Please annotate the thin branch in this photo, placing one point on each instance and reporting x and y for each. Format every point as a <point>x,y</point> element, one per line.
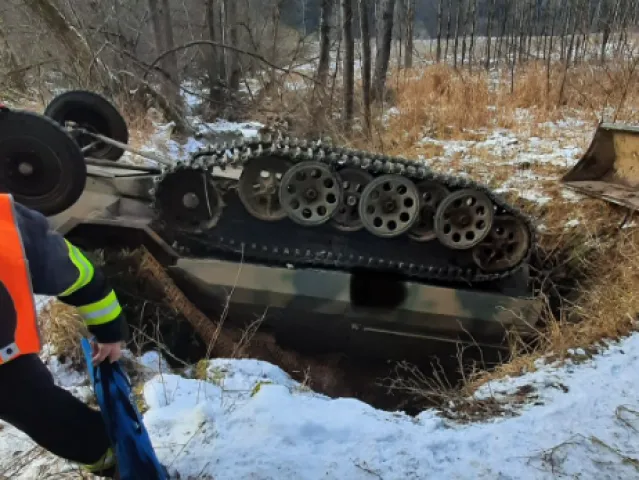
<point>257,56</point>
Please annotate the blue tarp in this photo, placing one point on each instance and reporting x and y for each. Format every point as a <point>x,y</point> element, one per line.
<point>133,450</point>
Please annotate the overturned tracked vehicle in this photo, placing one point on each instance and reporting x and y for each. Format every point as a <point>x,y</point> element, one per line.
<point>343,249</point>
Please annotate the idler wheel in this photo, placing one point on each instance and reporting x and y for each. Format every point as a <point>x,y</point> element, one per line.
<point>431,194</point>
<point>505,246</point>
<point>310,193</point>
<point>259,187</point>
<point>354,180</point>
<point>389,206</point>
<point>463,219</point>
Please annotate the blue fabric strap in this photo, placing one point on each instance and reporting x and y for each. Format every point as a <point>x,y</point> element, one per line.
<point>133,449</point>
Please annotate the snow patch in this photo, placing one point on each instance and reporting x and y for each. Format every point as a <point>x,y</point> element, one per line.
<point>279,432</point>
<point>251,420</point>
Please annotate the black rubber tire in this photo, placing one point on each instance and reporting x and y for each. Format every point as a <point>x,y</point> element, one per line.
<point>37,135</point>
<point>95,113</point>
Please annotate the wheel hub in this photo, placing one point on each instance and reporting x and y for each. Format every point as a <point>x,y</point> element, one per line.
<point>29,171</point>
<point>461,220</point>
<point>25,168</point>
<point>311,194</point>
<point>389,205</point>
<point>190,200</point>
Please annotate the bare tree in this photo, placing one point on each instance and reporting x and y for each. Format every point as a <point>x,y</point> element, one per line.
<point>349,61</point>
<point>449,10</point>
<point>460,6</point>
<point>489,32</point>
<point>230,9</point>
<point>213,62</point>
<point>465,27</point>
<point>473,16</point>
<point>325,42</point>
<point>410,27</point>
<point>364,12</point>
<point>161,19</point>
<point>382,57</point>
<point>172,64</point>
<point>438,55</point>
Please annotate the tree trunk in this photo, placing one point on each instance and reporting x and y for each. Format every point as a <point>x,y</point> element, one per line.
<point>233,63</point>
<point>471,50</point>
<point>464,30</point>
<point>448,20</point>
<point>212,65</point>
<point>439,31</point>
<point>171,63</point>
<point>457,25</point>
<point>489,32</point>
<point>502,35</point>
<point>366,62</point>
<point>221,36</point>
<point>568,56</point>
<point>349,62</point>
<point>550,45</point>
<point>325,42</point>
<point>544,32</point>
<point>410,26</point>
<point>382,56</point>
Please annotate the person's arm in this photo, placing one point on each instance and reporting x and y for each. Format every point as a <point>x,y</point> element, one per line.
<point>60,269</point>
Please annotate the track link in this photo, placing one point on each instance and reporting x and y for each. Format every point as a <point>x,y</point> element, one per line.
<point>240,154</point>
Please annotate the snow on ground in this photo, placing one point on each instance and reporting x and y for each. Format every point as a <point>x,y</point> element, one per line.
<point>250,420</point>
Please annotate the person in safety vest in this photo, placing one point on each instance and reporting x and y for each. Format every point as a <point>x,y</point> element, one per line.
<point>36,259</point>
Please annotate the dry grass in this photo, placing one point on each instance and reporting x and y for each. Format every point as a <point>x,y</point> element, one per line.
<point>62,327</point>
<point>604,308</point>
<point>445,103</point>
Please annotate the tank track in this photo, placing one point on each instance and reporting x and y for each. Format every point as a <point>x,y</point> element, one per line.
<point>240,154</point>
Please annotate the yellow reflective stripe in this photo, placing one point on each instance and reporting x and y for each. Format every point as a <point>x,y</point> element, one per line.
<point>102,311</point>
<point>85,270</point>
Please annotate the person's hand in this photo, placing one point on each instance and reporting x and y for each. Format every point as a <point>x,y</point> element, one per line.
<point>102,351</point>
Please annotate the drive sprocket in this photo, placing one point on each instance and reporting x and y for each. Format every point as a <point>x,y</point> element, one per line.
<point>505,245</point>
<point>188,199</point>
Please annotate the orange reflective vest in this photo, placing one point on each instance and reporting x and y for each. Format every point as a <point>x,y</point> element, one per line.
<point>19,332</point>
